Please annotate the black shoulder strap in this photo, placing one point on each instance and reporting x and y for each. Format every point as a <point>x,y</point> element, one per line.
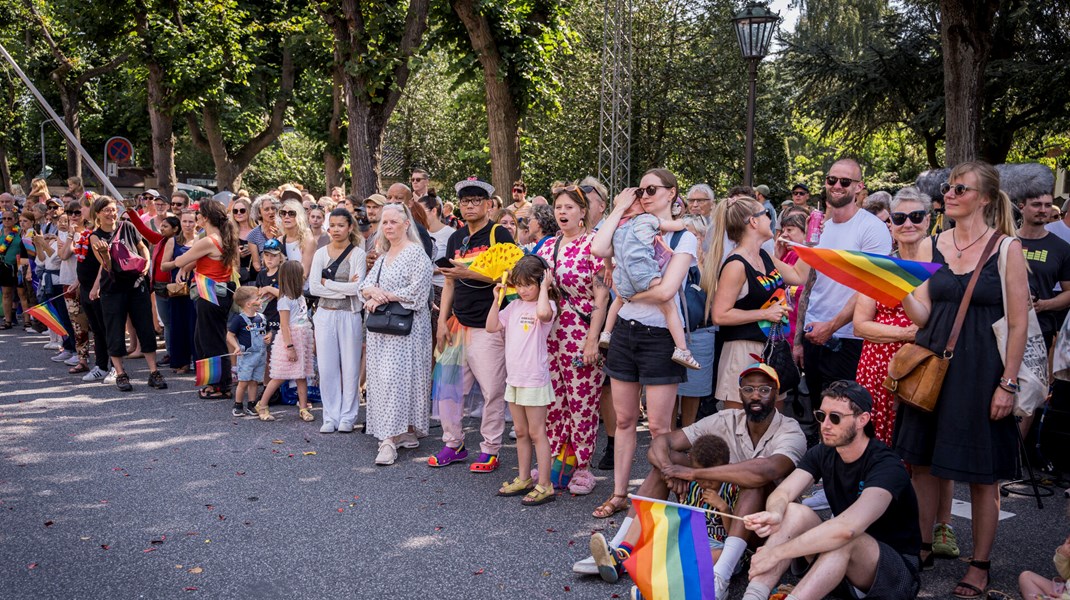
<point>675,238</point>
<point>333,267</point>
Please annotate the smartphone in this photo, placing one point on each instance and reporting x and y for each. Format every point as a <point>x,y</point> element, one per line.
<point>444,263</point>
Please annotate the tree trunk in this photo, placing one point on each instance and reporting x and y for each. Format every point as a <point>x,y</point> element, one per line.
<point>333,161</point>
<point>930,151</point>
<point>503,117</point>
<point>366,130</point>
<point>5,171</point>
<point>70,98</point>
<point>163,135</point>
<point>966,36</point>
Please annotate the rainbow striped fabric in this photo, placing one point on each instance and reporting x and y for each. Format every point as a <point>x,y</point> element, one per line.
<point>671,560</point>
<point>205,288</point>
<point>46,314</point>
<point>208,370</point>
<point>885,279</point>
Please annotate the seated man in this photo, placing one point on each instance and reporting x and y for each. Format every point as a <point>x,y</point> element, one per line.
<point>870,548</point>
<point>764,447</point>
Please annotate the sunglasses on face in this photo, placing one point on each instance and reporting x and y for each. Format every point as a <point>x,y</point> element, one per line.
<point>417,179</point>
<point>759,215</point>
<point>958,189</point>
<point>649,190</point>
<point>518,190</point>
<point>763,390</point>
<point>73,211</point>
<point>915,216</point>
<point>178,204</point>
<point>843,181</point>
<point>835,417</point>
<point>798,193</point>
<point>288,213</point>
<point>239,211</point>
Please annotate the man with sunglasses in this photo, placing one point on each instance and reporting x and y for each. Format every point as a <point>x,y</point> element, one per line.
<point>1049,265</point>
<point>870,548</point>
<point>763,447</point>
<point>468,296</point>
<point>800,195</point>
<point>520,204</point>
<point>825,343</point>
<point>420,180</point>
<point>179,201</point>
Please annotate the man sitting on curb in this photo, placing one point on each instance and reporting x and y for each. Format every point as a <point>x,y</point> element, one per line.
<point>764,447</point>
<point>870,548</point>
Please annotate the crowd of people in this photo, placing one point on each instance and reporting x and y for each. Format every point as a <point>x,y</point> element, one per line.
<point>660,303</point>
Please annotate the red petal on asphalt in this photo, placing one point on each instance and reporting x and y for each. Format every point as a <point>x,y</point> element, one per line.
<point>479,572</point>
<point>341,510</point>
<point>240,473</point>
<point>189,589</point>
<point>615,596</point>
<point>209,506</point>
<point>568,589</point>
<point>551,530</point>
<point>222,518</point>
<point>32,566</point>
<point>439,528</point>
<point>49,523</point>
<point>149,550</point>
<point>571,543</point>
<point>105,546</point>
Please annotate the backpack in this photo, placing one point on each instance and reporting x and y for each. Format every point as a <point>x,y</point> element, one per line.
<point>693,301</point>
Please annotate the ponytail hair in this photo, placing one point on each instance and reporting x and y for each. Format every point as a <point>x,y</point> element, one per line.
<point>730,219</point>
<point>998,213</point>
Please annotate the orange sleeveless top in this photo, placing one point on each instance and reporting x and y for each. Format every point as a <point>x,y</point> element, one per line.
<point>214,268</point>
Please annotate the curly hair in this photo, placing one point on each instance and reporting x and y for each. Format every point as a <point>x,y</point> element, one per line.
<point>709,451</point>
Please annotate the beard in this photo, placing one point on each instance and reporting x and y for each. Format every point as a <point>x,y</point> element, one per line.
<point>844,440</point>
<point>839,202</point>
<point>760,415</point>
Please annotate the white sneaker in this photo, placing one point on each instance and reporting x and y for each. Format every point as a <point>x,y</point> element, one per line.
<point>408,440</point>
<point>387,454</point>
<point>512,433</point>
<point>73,360</point>
<point>817,501</point>
<point>52,346</point>
<point>94,374</point>
<point>62,356</point>
<point>110,377</point>
<point>586,566</point>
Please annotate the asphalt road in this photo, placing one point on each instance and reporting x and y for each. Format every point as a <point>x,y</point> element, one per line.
<point>163,495</point>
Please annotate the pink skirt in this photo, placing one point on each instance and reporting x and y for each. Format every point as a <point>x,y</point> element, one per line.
<point>304,344</point>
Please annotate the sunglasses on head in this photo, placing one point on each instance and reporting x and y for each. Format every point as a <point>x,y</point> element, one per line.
<point>835,417</point>
<point>238,211</point>
<point>288,213</point>
<point>649,190</point>
<point>843,181</point>
<point>958,188</point>
<point>915,216</point>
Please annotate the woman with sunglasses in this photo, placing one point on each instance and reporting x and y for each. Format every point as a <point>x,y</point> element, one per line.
<point>640,353</point>
<point>10,251</point>
<point>295,236</point>
<point>971,435</point>
<point>241,213</point>
<point>68,276</point>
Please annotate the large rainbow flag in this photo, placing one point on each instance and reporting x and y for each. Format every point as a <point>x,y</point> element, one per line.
<point>671,560</point>
<point>209,370</point>
<point>885,279</point>
<point>46,314</point>
<point>205,289</point>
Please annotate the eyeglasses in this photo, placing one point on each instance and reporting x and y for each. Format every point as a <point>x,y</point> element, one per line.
<point>288,213</point>
<point>649,190</point>
<point>843,181</point>
<point>835,417</point>
<point>239,211</point>
<point>472,201</point>
<point>763,390</point>
<point>693,200</point>
<point>958,188</point>
<point>915,216</point>
<point>798,193</point>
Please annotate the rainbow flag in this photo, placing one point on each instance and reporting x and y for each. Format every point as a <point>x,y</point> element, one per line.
<point>46,314</point>
<point>208,370</point>
<point>671,560</point>
<point>205,289</point>
<point>885,279</point>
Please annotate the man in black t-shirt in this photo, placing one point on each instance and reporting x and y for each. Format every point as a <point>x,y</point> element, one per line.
<point>468,296</point>
<point>870,547</point>
<point>1049,265</point>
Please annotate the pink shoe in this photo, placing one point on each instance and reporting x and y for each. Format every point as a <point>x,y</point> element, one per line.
<point>582,483</point>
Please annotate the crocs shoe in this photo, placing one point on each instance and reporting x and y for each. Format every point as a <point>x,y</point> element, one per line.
<point>945,545</point>
<point>448,456</point>
<point>486,463</point>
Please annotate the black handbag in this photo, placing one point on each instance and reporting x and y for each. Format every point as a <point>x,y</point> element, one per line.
<point>390,318</point>
<point>777,354</point>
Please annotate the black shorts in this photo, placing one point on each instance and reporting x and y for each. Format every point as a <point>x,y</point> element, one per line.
<point>9,277</point>
<point>640,353</point>
<point>896,578</point>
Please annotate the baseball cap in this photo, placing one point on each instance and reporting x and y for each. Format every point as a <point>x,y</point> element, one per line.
<point>762,189</point>
<point>289,192</point>
<point>153,193</point>
<point>376,198</point>
<point>852,391</point>
<point>273,246</point>
<point>473,187</point>
<point>760,367</point>
<point>800,186</point>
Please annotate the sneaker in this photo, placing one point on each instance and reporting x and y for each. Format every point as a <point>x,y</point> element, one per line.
<point>605,556</point>
<point>94,374</point>
<point>328,427</point>
<point>110,377</point>
<point>387,454</point>
<point>62,356</point>
<point>817,501</point>
<point>52,346</point>
<point>123,382</point>
<point>512,433</point>
<point>73,360</point>
<point>447,456</point>
<point>247,411</point>
<point>603,339</point>
<point>486,463</point>
<point>236,411</point>
<point>586,566</point>
<point>156,381</point>
<point>945,545</point>
<point>345,427</point>
<point>165,361</point>
<point>408,440</point>
<point>683,357</point>
<point>635,594</point>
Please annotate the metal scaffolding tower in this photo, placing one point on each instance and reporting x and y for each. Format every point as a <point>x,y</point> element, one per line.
<point>615,97</point>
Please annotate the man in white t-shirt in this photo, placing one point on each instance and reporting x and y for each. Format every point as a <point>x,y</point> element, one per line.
<point>825,343</point>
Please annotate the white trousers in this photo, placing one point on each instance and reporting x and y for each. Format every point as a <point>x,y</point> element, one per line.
<point>339,337</point>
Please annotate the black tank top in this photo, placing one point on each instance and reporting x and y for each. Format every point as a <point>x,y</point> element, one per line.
<point>760,288</point>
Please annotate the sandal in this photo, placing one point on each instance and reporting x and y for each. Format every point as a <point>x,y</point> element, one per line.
<point>516,487</point>
<point>264,413</point>
<point>611,507</point>
<point>305,415</point>
<point>212,393</point>
<point>78,368</point>
<point>983,565</point>
<point>539,495</point>
<point>6,325</point>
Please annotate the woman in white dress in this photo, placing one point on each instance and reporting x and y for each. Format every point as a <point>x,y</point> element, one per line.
<point>398,366</point>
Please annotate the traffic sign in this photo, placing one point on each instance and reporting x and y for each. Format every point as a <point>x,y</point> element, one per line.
<point>119,150</point>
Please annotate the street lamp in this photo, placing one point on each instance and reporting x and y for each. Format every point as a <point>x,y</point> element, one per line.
<point>755,25</point>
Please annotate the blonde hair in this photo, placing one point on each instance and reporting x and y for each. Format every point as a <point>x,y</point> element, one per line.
<point>382,244</point>
<point>301,220</point>
<point>998,213</point>
<point>730,217</point>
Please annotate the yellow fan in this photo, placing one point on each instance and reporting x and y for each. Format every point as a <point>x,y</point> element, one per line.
<point>496,260</point>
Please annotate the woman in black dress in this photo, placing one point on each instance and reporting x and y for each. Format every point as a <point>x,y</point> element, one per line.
<point>970,436</point>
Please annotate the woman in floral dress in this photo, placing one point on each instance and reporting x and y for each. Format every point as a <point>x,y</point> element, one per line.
<point>575,367</point>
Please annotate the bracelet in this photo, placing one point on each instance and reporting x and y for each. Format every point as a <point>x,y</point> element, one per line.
<point>1010,385</point>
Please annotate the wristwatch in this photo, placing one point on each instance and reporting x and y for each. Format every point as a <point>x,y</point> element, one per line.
<point>1010,385</point>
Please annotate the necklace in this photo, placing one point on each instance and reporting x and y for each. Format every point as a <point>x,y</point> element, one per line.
<point>8,239</point>
<point>961,250</point>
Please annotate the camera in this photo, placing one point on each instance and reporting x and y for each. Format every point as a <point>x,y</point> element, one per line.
<point>363,224</point>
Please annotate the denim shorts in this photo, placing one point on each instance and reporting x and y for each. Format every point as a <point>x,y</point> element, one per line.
<point>251,365</point>
<point>640,353</point>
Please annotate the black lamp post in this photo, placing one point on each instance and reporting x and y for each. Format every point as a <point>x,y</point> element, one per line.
<point>755,25</point>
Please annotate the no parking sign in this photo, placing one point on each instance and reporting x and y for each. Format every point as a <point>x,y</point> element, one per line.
<point>119,150</point>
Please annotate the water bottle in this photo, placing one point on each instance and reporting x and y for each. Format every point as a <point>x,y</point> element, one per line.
<point>813,227</point>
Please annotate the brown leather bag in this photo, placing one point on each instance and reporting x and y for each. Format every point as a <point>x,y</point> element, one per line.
<point>916,374</point>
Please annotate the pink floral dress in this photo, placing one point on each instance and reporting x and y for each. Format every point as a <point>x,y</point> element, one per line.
<point>573,417</point>
<point>873,368</point>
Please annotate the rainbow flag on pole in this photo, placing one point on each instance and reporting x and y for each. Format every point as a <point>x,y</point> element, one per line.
<point>671,560</point>
<point>46,314</point>
<point>205,288</point>
<point>883,278</point>
<point>208,370</point>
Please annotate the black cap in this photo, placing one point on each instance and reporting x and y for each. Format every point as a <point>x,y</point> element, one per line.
<point>852,391</point>
<point>800,186</point>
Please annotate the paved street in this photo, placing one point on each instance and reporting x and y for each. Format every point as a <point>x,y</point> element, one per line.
<point>163,495</point>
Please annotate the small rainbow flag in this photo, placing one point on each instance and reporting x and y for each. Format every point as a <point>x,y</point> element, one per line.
<point>46,314</point>
<point>209,370</point>
<point>671,560</point>
<point>205,289</point>
<point>885,279</point>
